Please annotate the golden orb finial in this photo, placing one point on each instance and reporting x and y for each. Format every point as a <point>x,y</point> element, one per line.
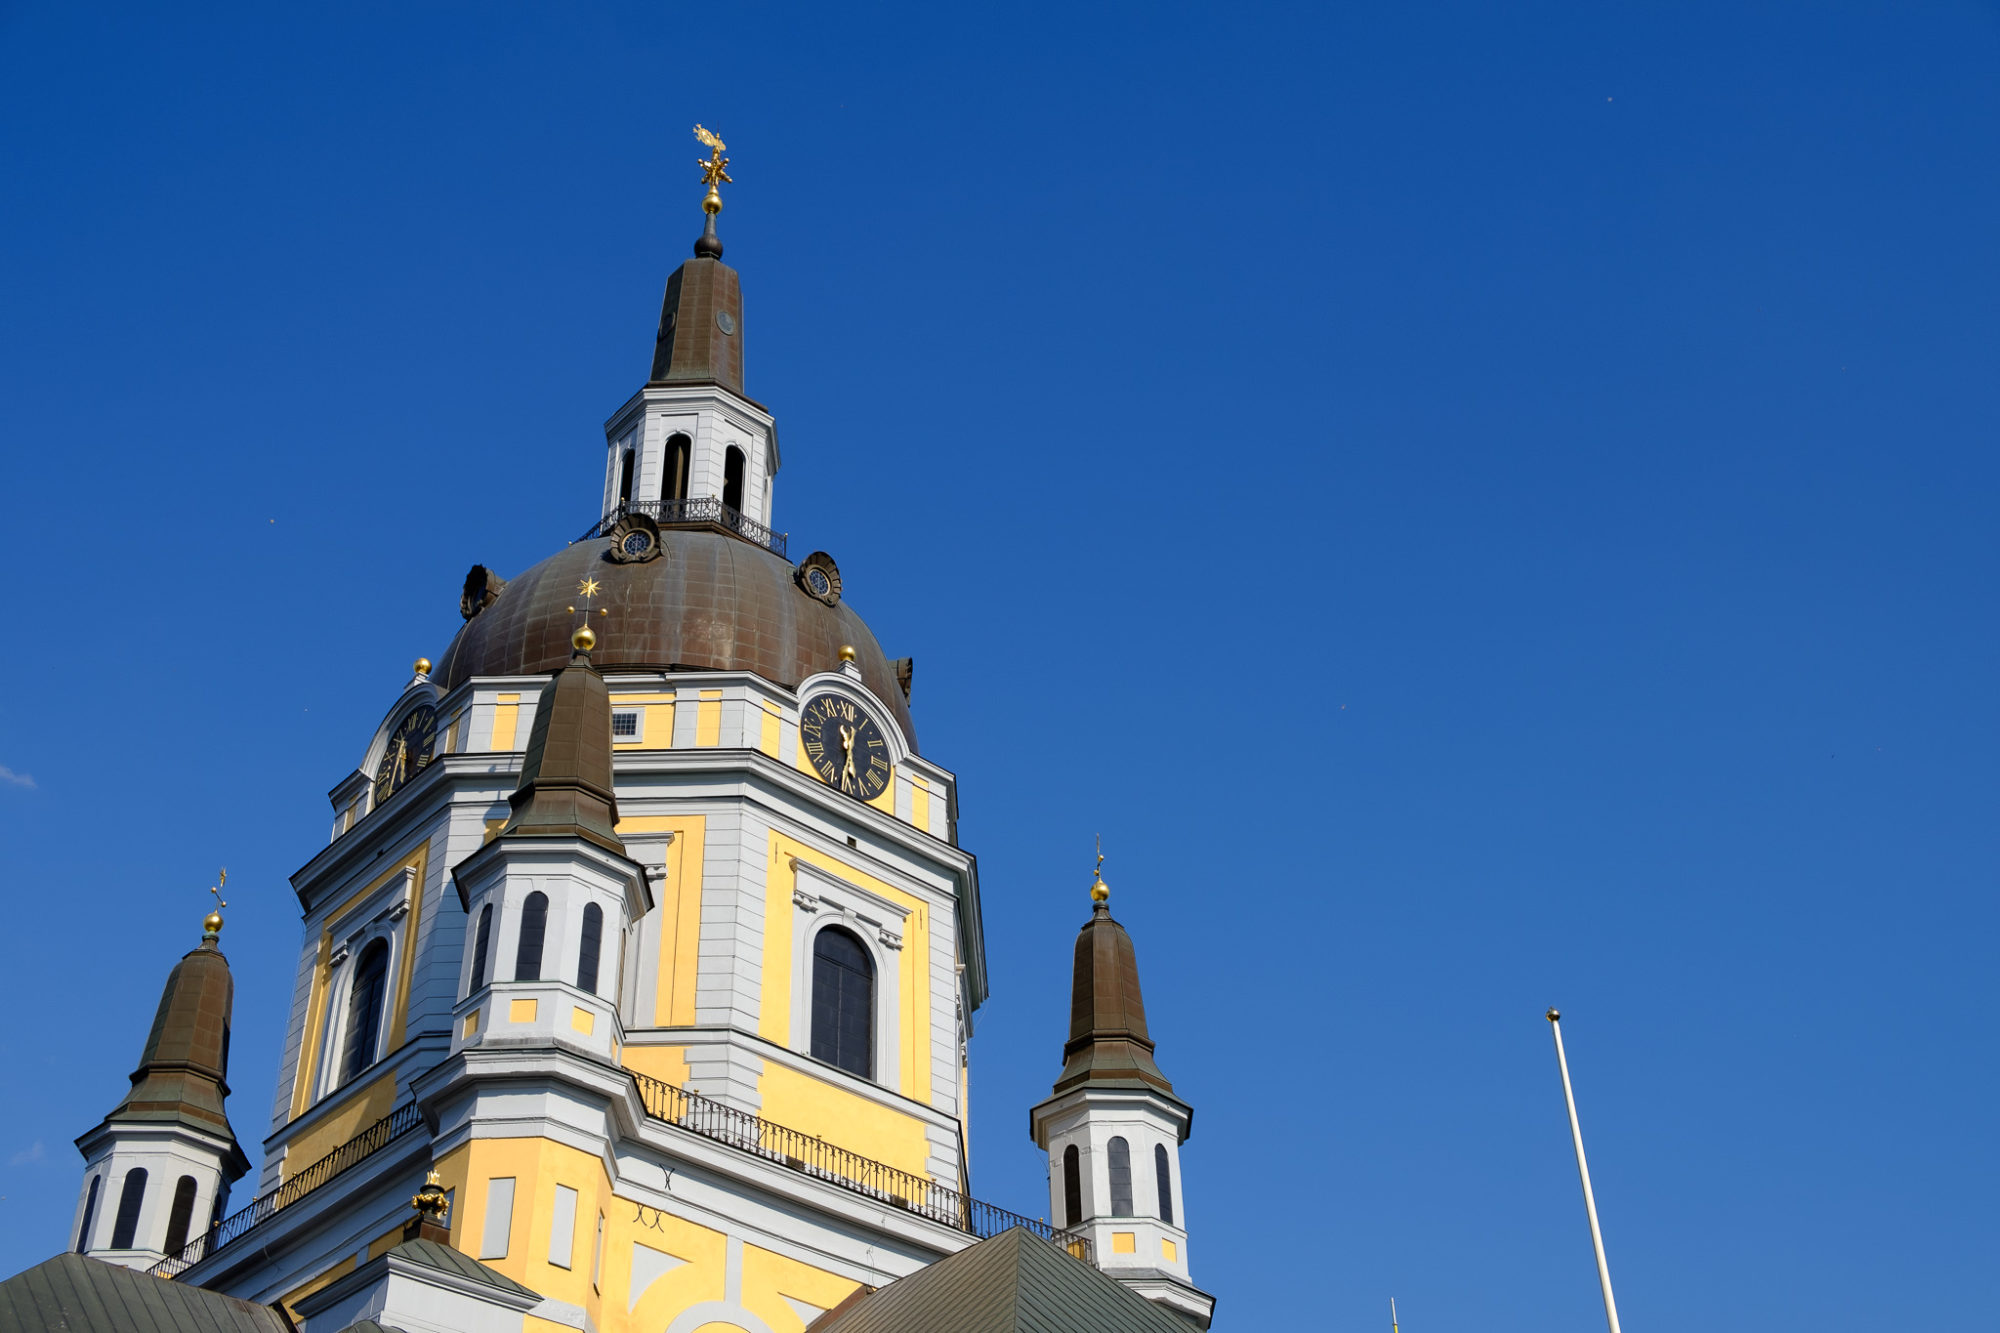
<point>1100,892</point>
<point>422,666</point>
<point>584,639</point>
<point>1553,1014</point>
<point>847,652</point>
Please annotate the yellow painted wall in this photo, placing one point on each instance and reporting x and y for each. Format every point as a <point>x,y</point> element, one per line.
<point>305,1076</point>
<point>920,804</point>
<point>767,1277</point>
<point>332,1275</point>
<point>815,1106</point>
<point>772,725</point>
<point>537,1166</point>
<point>506,720</point>
<point>361,1107</point>
<point>656,720</point>
<point>913,961</point>
<point>708,718</point>
<point>679,904</point>
<point>665,1063</point>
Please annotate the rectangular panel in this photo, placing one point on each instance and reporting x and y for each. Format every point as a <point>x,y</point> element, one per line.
<point>499,1217</point>
<point>562,1227</point>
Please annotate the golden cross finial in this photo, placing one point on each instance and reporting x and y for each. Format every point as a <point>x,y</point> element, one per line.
<point>1100,892</point>
<point>212,923</point>
<point>715,170</point>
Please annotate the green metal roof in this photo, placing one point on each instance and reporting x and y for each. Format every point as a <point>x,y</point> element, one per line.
<point>72,1294</point>
<point>1014,1283</point>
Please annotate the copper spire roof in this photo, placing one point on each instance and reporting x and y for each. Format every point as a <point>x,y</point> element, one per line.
<point>566,786</point>
<point>183,1072</point>
<point>1108,1042</point>
<point>701,324</point>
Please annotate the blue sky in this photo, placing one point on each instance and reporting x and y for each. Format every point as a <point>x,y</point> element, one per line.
<point>1482,507</point>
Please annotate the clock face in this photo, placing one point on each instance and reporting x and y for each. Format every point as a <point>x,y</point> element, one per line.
<point>409,750</point>
<point>844,746</point>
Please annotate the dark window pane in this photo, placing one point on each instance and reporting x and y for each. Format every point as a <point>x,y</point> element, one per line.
<point>182,1214</point>
<point>625,476</point>
<point>364,1009</point>
<point>89,1214</point>
<point>732,478</point>
<point>534,922</point>
<point>479,943</point>
<point>675,485</point>
<point>1072,1187</point>
<point>1163,1173</point>
<point>843,1003</point>
<point>126,1227</point>
<point>593,945</point>
<point>1121,1179</point>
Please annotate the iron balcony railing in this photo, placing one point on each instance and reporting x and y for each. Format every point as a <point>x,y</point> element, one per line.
<point>821,1160</point>
<point>301,1183</point>
<point>707,509</point>
<point>699,1115</point>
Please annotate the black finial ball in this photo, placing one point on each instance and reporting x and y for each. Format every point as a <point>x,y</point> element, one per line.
<point>709,246</point>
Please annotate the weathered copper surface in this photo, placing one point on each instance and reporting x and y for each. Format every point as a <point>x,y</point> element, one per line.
<point>182,1075</point>
<point>712,602</point>
<point>1107,1016</point>
<point>565,786</point>
<point>703,296</point>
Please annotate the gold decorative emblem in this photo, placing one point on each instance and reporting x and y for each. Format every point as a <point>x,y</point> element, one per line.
<point>212,923</point>
<point>714,171</point>
<point>585,638</point>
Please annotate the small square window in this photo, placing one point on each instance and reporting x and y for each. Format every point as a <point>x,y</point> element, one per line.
<point>625,724</point>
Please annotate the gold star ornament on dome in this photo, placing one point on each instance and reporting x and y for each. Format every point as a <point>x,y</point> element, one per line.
<point>585,638</point>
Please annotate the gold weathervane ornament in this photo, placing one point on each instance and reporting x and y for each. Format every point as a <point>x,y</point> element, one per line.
<point>212,923</point>
<point>714,171</point>
<point>1100,892</point>
<point>585,638</point>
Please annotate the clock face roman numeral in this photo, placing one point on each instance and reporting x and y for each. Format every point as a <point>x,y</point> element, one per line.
<point>845,746</point>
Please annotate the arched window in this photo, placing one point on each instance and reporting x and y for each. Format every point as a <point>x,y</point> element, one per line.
<point>1072,1169</point>
<point>1121,1178</point>
<point>625,477</point>
<point>89,1214</point>
<point>181,1216</point>
<point>364,1009</point>
<point>680,451</point>
<point>534,922</point>
<point>126,1228</point>
<point>480,939</point>
<point>1164,1173</point>
<point>593,945</point>
<point>732,478</point>
<point>843,1017</point>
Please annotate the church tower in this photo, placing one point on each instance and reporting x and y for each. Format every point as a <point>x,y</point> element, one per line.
<point>1113,1128</point>
<point>643,922</point>
<point>158,1169</point>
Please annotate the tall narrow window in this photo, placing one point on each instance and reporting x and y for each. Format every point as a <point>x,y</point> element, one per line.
<point>843,1003</point>
<point>480,939</point>
<point>593,945</point>
<point>680,452</point>
<point>181,1216</point>
<point>126,1228</point>
<point>528,953</point>
<point>625,469</point>
<point>1164,1173</point>
<point>1121,1178</point>
<point>1072,1169</point>
<point>732,478</point>
<point>89,1214</point>
<point>364,1009</point>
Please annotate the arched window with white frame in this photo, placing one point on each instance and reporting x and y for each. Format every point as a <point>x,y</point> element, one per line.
<point>843,1002</point>
<point>365,1002</point>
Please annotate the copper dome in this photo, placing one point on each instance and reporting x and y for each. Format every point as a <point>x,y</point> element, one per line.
<point>710,601</point>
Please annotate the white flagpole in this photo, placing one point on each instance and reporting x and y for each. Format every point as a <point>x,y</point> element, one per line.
<point>1392,1316</point>
<point>1583,1170</point>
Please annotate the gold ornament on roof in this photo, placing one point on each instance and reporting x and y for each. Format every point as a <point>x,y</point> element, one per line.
<point>1100,892</point>
<point>431,1201</point>
<point>714,171</point>
<point>585,638</point>
<point>212,923</point>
